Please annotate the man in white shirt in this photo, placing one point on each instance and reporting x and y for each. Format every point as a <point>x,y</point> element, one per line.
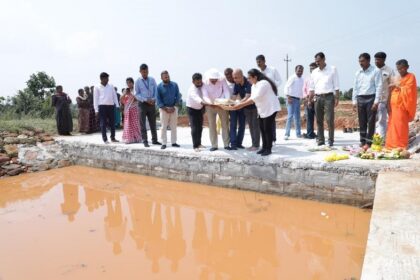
<point>104,101</point>
<point>274,76</point>
<point>215,87</point>
<point>324,89</point>
<point>387,75</point>
<point>196,110</point>
<point>294,93</point>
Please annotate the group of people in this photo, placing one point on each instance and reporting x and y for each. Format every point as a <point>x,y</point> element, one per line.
<point>377,93</point>
<point>88,122</point>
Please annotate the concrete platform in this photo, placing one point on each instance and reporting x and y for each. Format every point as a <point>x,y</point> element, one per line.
<point>291,170</point>
<point>393,247</point>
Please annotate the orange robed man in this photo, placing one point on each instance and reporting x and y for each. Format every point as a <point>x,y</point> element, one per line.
<point>403,103</point>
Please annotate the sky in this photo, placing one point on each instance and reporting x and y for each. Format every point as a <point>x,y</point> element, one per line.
<point>74,41</point>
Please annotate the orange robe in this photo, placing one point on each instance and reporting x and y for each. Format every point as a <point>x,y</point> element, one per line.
<point>403,109</point>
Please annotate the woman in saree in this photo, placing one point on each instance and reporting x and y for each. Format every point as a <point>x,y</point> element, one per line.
<point>131,132</point>
<point>84,111</point>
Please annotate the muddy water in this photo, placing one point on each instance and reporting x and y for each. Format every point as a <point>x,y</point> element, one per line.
<point>83,223</point>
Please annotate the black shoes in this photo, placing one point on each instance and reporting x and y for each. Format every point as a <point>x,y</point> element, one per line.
<point>213,149</point>
<point>228,148</point>
<point>114,140</point>
<point>266,153</point>
<point>163,147</point>
<point>320,143</point>
<point>261,151</point>
<point>176,145</point>
<point>241,147</point>
<point>306,136</point>
<point>156,143</point>
<point>146,145</point>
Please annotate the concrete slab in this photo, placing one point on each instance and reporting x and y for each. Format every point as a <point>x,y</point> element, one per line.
<point>294,149</point>
<point>393,247</point>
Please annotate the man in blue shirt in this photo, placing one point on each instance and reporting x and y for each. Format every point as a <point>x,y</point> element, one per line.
<point>367,92</point>
<point>167,98</point>
<point>242,91</point>
<point>146,91</point>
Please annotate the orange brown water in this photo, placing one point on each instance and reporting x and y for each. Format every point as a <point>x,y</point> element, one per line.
<point>85,223</point>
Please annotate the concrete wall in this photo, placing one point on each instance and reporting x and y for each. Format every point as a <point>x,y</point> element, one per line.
<point>349,185</point>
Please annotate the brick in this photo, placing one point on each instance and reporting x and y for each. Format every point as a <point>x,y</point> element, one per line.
<point>221,180</point>
<point>267,172</point>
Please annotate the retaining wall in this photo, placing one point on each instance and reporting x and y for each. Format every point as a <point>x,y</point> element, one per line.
<point>351,185</point>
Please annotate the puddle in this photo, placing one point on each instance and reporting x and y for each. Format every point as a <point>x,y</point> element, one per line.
<point>85,223</point>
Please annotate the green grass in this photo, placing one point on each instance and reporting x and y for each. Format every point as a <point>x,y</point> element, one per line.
<point>48,125</point>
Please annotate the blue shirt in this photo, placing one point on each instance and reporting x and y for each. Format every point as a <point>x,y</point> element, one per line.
<point>368,82</point>
<point>145,89</point>
<point>167,95</point>
<point>243,90</point>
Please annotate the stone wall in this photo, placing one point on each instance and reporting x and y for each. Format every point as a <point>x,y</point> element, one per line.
<point>11,145</point>
<point>352,185</point>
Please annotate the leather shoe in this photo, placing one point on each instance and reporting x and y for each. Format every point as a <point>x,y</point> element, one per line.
<point>261,151</point>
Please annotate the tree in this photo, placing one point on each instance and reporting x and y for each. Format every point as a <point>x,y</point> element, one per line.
<point>346,95</point>
<point>24,102</point>
<point>34,100</point>
<point>40,85</point>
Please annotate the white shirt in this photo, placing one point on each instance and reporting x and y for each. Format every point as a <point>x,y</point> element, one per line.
<point>104,95</point>
<point>325,80</point>
<point>265,99</point>
<point>213,91</point>
<point>294,86</point>
<point>387,75</point>
<point>195,97</point>
<point>273,75</point>
<point>230,86</point>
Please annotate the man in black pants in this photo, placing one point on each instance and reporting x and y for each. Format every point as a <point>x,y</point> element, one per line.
<point>367,92</point>
<point>146,92</point>
<point>196,109</point>
<point>105,100</point>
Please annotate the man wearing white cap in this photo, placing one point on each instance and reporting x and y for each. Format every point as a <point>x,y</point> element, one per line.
<point>216,87</point>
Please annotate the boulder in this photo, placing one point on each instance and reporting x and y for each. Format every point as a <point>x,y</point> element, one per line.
<point>30,155</point>
<point>28,141</point>
<point>63,163</point>
<point>41,167</point>
<point>38,130</point>
<point>11,140</point>
<point>11,134</point>
<point>15,172</point>
<point>46,138</point>
<point>10,167</point>
<point>28,133</point>
<point>4,159</point>
<point>11,150</point>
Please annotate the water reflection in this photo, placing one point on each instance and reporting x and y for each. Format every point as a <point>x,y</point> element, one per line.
<point>71,204</point>
<point>190,229</point>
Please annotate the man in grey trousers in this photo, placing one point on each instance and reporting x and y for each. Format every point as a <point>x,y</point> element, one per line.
<point>242,91</point>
